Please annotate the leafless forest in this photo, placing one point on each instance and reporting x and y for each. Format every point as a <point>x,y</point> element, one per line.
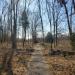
<point>37,37</point>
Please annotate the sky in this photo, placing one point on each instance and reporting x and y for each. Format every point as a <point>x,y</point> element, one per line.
<point>33,8</point>
<point>1,4</point>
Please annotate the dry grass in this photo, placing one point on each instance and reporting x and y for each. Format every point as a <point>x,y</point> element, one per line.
<point>61,66</point>
<point>62,45</point>
<point>7,45</point>
<point>19,64</point>
<point>19,61</point>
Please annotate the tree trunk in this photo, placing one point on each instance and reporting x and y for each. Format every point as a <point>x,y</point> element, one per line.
<point>73,4</point>
<point>24,38</point>
<point>53,14</point>
<point>56,34</point>
<point>14,31</point>
<point>69,26</point>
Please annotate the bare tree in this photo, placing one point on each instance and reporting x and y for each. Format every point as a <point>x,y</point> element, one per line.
<point>35,26</point>
<point>53,12</point>
<point>69,20</point>
<point>39,6</point>
<point>48,8</point>
<point>63,2</point>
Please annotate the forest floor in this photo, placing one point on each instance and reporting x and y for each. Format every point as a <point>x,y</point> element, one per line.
<point>38,62</point>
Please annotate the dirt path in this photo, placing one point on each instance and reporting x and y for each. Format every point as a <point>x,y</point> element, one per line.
<point>38,65</point>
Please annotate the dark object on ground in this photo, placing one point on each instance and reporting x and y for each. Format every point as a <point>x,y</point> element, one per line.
<point>63,53</point>
<point>30,50</point>
<point>55,52</point>
<point>68,53</point>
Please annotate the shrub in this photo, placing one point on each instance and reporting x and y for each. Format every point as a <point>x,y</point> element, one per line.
<point>49,38</point>
<point>73,41</point>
